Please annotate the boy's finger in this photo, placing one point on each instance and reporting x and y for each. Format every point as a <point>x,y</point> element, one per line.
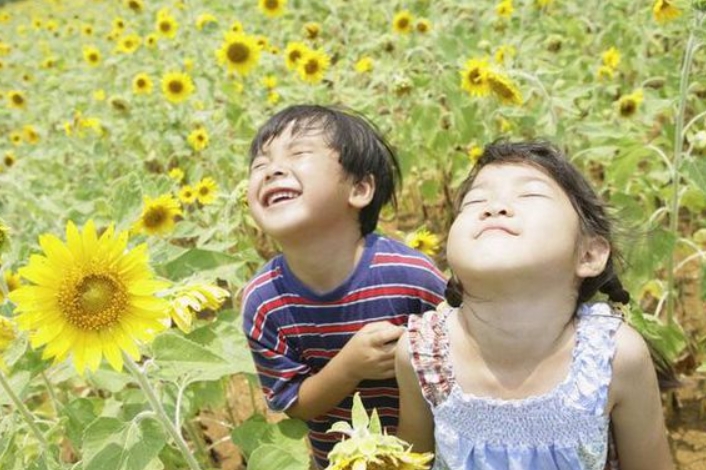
<point>388,334</point>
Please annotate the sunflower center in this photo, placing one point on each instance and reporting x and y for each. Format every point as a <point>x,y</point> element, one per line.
<point>155,217</point>
<point>271,4</point>
<point>9,161</point>
<point>311,67</point>
<point>18,100</point>
<point>95,302</point>
<point>176,87</point>
<point>474,76</point>
<point>204,191</point>
<point>238,52</point>
<point>402,23</point>
<point>141,83</point>
<point>627,108</point>
<point>93,57</point>
<point>294,56</point>
<point>165,26</point>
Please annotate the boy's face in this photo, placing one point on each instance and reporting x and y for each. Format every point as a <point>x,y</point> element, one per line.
<point>298,187</point>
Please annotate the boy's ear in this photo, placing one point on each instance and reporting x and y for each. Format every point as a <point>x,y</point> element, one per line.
<point>362,192</point>
<point>593,257</point>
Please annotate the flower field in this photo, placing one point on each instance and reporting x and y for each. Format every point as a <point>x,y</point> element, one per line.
<point>125,237</point>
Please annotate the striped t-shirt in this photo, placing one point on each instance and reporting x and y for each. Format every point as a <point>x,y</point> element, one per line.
<point>294,332</point>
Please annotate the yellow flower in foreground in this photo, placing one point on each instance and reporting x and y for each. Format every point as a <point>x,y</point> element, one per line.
<point>367,446</point>
<point>16,99</point>
<point>272,8</point>
<point>313,65</point>
<point>189,300</point>
<point>177,86</point>
<point>423,240</point>
<point>177,174</point>
<point>611,58</point>
<point>205,19</point>
<point>627,105</point>
<point>158,215</point>
<point>664,10</point>
<point>206,190</point>
<point>128,44</point>
<point>364,65</point>
<point>142,84</point>
<point>402,22</point>
<point>239,52</point>
<point>89,298</point>
<point>505,8</point>
<point>187,195</point>
<point>293,54</point>
<point>198,139</point>
<point>474,77</point>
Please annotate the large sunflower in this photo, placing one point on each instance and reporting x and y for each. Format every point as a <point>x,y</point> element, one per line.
<point>272,8</point>
<point>177,86</point>
<point>90,298</point>
<point>423,240</point>
<point>158,215</point>
<point>313,65</point>
<point>239,52</point>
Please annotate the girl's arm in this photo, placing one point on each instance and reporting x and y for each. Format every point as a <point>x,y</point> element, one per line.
<point>638,421</point>
<point>416,421</point>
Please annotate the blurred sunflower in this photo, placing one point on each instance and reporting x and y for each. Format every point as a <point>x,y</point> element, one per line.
<point>177,174</point>
<point>158,215</point>
<point>87,30</point>
<point>611,58</point>
<point>628,104</point>
<point>187,195</point>
<point>423,25</point>
<point>313,65</point>
<point>48,63</point>
<point>541,4</point>
<point>402,22</point>
<point>474,153</point>
<point>239,52</point>
<point>293,54</point>
<point>118,24</point>
<point>92,55</point>
<point>505,9</point>
<point>16,138</point>
<point>269,81</point>
<point>236,27</point>
<point>272,8</point>
<point>205,19</point>
<point>198,139</point>
<point>8,160</point>
<point>474,77</point>
<point>185,302</point>
<point>364,65</point>
<point>89,298</point>
<point>128,44</point>
<point>605,73</point>
<point>166,26</point>
<point>423,240</point>
<point>177,86</point>
<point>273,97</point>
<point>142,84</point>
<point>4,237</point>
<point>8,333</point>
<point>312,30</point>
<point>137,6</point>
<point>151,40</point>
<point>665,10</point>
<point>503,88</point>
<point>206,191</point>
<point>504,53</point>
<point>16,99</point>
<point>12,282</point>
<point>30,135</point>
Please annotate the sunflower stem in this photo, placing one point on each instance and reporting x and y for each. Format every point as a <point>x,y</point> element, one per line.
<point>678,154</point>
<point>26,414</point>
<point>161,415</point>
<point>52,394</point>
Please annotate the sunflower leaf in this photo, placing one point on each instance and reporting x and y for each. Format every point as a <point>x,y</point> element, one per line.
<point>359,415</point>
<point>110,444</point>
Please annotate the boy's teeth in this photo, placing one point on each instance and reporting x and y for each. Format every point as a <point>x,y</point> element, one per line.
<point>280,196</point>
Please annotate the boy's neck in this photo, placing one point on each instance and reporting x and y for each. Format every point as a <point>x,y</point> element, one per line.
<point>325,262</point>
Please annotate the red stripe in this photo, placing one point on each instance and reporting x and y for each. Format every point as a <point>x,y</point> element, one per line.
<point>389,258</point>
<point>258,281</point>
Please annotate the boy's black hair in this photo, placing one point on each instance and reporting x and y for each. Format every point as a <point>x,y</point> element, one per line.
<point>361,148</point>
<point>593,216</point>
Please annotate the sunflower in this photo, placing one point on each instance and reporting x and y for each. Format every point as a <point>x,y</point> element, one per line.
<point>664,10</point>
<point>87,30</point>
<point>177,174</point>
<point>187,195</point>
<point>474,153</point>
<point>423,26</point>
<point>504,52</point>
<point>158,215</point>
<point>48,63</point>
<point>12,282</point>
<point>8,160</point>
<point>89,298</point>
<point>16,99</point>
<point>402,22</point>
<point>273,97</point>
<point>605,73</point>
<point>137,6</point>
<point>368,447</point>
<point>627,105</point>
<point>166,26</point>
<point>99,95</point>
<point>269,82</point>
<point>128,44</point>
<point>503,88</point>
<point>4,237</point>
<point>272,8</point>
<point>151,40</point>
<point>118,24</point>
<point>504,9</point>
<point>541,4</point>
<point>177,86</point>
<point>30,134</point>
<point>312,30</point>
<point>8,333</point>
<point>611,58</point>
<point>92,55</point>
<point>236,27</point>
<point>206,191</point>
<point>293,54</point>
<point>423,240</point>
<point>364,65</point>
<point>474,77</point>
<point>198,139</point>
<point>239,52</point>
<point>204,20</point>
<point>313,65</point>
<point>16,138</point>
<point>142,84</point>
<point>189,300</point>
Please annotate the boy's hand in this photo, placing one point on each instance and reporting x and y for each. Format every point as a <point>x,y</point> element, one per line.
<point>370,353</point>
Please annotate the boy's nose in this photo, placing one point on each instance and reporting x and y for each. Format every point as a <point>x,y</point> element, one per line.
<point>275,171</point>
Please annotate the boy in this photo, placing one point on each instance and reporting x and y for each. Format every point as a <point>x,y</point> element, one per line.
<point>322,318</point>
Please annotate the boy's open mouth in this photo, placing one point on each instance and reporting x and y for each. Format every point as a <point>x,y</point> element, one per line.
<point>279,195</point>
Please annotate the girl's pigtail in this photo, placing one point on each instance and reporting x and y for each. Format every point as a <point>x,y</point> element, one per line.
<point>454,292</point>
<point>615,291</point>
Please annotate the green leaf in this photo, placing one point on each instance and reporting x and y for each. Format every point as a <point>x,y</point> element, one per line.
<point>695,171</point>
<point>195,260</point>
<point>250,434</point>
<point>110,444</point>
<point>79,413</point>
<point>19,382</point>
<point>290,435</point>
<point>270,457</point>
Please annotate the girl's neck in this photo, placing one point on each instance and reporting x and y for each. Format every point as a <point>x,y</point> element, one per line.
<point>324,263</point>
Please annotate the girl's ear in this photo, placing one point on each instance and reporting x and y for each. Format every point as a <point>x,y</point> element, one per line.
<point>593,256</point>
<point>362,192</point>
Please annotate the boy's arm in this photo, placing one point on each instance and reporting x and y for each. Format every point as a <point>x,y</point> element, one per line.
<point>416,421</point>
<point>640,434</point>
<point>369,354</point>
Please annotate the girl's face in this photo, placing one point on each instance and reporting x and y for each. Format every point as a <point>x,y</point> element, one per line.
<point>514,221</point>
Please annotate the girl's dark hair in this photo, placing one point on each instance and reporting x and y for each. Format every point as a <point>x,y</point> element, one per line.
<point>361,148</point>
<point>593,217</point>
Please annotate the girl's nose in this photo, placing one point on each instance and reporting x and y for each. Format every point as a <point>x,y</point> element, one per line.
<point>496,208</point>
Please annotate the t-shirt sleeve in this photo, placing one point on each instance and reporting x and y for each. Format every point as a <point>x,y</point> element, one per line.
<point>279,367</point>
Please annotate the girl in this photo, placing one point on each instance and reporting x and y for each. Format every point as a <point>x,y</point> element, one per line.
<point>517,372</point>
